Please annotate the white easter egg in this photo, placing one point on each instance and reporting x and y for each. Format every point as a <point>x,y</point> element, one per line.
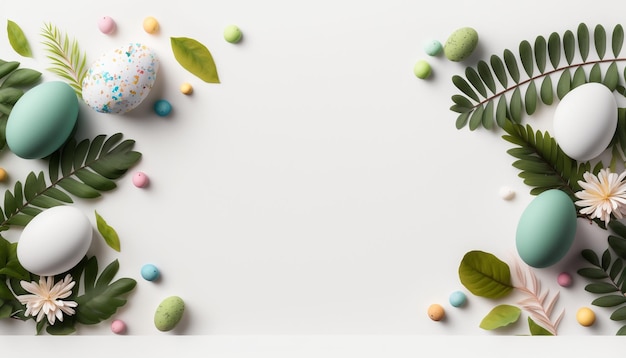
<point>54,241</point>
<point>585,121</point>
<point>120,79</point>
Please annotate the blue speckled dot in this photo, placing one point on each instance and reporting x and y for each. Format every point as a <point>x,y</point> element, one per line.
<point>150,272</point>
<point>457,298</point>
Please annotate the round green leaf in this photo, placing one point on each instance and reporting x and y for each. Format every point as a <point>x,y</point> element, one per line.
<point>516,106</point>
<point>485,75</point>
<point>526,56</point>
<point>530,99</point>
<point>599,40</point>
<point>498,68</point>
<point>554,49</point>
<point>617,40</point>
<point>611,79</point>
<point>476,118</point>
<point>569,46</point>
<point>609,301</point>
<point>580,77</point>
<point>485,275</point>
<point>501,111</point>
<point>461,120</point>
<point>488,116</point>
<point>547,93</point>
<point>18,40</point>
<point>500,316</point>
<point>195,58</point>
<point>564,85</point>
<point>464,87</point>
<point>511,65</point>
<point>475,80</point>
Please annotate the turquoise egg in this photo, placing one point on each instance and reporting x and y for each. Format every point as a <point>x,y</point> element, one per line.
<point>546,229</point>
<point>42,120</point>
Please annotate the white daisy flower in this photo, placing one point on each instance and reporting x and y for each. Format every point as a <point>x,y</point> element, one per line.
<point>46,298</point>
<point>602,195</point>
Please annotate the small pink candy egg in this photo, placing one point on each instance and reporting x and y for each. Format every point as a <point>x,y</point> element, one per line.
<point>118,326</point>
<point>564,279</point>
<point>140,180</point>
<point>106,25</point>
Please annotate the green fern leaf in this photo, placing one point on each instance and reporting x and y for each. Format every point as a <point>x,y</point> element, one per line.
<point>461,120</point>
<point>540,53</point>
<point>511,65</point>
<point>569,46</point>
<point>583,40</point>
<point>526,57</point>
<point>67,60</point>
<point>530,99</point>
<point>595,75</point>
<point>611,78</point>
<point>554,49</point>
<point>599,38</point>
<point>516,106</point>
<point>498,68</point>
<point>485,75</point>
<point>464,87</point>
<point>501,112</point>
<point>617,39</point>
<point>547,91</point>
<point>475,80</point>
<point>488,116</point>
<point>579,78</point>
<point>87,169</point>
<point>476,118</point>
<point>564,84</point>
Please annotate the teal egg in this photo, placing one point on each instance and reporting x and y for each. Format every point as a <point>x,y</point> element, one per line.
<point>546,229</point>
<point>42,120</point>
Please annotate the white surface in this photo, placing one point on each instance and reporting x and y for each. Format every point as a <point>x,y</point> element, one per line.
<point>321,188</point>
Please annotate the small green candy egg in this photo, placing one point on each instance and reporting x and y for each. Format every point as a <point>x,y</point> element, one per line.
<point>232,34</point>
<point>169,313</point>
<point>460,44</point>
<point>422,69</point>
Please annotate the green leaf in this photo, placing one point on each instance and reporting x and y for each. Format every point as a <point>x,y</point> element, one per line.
<point>619,314</point>
<point>8,67</point>
<point>18,40</point>
<point>617,40</point>
<point>101,298</point>
<point>511,65</point>
<point>580,77</point>
<point>564,85</point>
<point>583,40</point>
<point>601,287</point>
<point>526,57</point>
<point>476,118</point>
<point>501,112</point>
<point>516,106</point>
<point>21,77</point>
<point>461,120</point>
<point>537,330</point>
<point>530,99</point>
<point>475,80</point>
<point>569,46</point>
<point>485,275</point>
<point>599,38</point>
<point>500,316</point>
<point>618,244</point>
<point>621,331</point>
<point>68,61</point>
<point>547,92</point>
<point>488,116</point>
<point>609,301</point>
<point>195,58</point>
<point>498,68</point>
<point>595,75</point>
<point>108,233</point>
<point>592,273</point>
<point>554,49</point>
<point>540,53</point>
<point>611,79</point>
<point>485,75</point>
<point>464,87</point>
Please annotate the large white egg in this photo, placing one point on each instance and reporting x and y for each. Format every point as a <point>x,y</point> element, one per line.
<point>54,241</point>
<point>585,121</point>
<point>120,79</point>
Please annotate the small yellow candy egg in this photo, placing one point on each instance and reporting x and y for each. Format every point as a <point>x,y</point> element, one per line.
<point>186,88</point>
<point>3,174</point>
<point>150,25</point>
<point>585,316</point>
<point>436,312</point>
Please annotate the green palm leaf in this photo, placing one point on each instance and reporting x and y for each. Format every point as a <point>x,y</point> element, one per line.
<point>84,170</point>
<point>68,61</point>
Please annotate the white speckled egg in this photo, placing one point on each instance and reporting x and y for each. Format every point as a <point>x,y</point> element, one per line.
<point>120,79</point>
<point>54,241</point>
<point>585,121</point>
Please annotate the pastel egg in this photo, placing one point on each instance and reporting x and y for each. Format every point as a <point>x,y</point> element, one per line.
<point>436,312</point>
<point>460,44</point>
<point>150,272</point>
<point>457,298</point>
<point>140,180</point>
<point>169,313</point>
<point>42,120</point>
<point>433,47</point>
<point>546,229</point>
<point>150,25</point>
<point>422,69</point>
<point>232,34</point>
<point>106,25</point>
<point>118,326</point>
<point>564,279</point>
<point>54,241</point>
<point>120,79</point>
<point>162,107</point>
<point>585,121</point>
<point>585,316</point>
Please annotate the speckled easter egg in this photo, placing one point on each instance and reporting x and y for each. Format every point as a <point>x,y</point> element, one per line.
<point>460,44</point>
<point>546,229</point>
<point>169,313</point>
<point>42,120</point>
<point>120,79</point>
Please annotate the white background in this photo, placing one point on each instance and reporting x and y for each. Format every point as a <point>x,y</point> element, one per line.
<point>321,188</point>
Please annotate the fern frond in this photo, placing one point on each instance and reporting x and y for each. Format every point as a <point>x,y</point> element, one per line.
<point>67,60</point>
<point>84,170</point>
<point>537,84</point>
<point>538,304</point>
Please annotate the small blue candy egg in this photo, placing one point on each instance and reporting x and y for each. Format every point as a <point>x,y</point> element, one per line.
<point>149,272</point>
<point>433,47</point>
<point>457,298</point>
<point>162,107</point>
